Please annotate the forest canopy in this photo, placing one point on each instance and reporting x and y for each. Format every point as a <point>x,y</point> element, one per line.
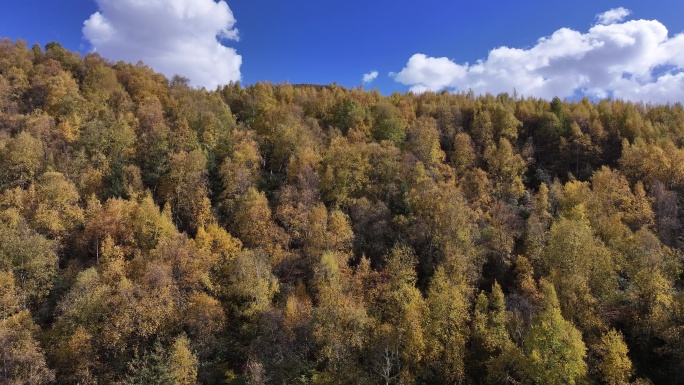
<point>151,232</point>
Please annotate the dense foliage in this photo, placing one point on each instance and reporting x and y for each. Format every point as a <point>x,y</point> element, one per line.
<point>154,233</point>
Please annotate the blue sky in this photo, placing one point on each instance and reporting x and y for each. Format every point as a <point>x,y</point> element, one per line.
<point>428,45</point>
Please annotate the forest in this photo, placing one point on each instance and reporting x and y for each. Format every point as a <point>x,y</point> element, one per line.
<point>156,233</point>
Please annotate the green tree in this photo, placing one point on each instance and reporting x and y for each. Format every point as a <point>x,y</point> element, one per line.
<point>53,206</point>
<point>9,294</point>
<point>506,169</point>
<point>21,158</point>
<point>76,359</point>
<point>246,284</point>
<point>348,113</point>
<point>254,225</point>
<point>240,169</point>
<point>447,331</point>
<point>31,258</point>
<point>344,172</point>
<point>538,224</point>
<point>582,268</point>
<point>493,353</point>
<point>554,348</point>
<point>61,96</point>
<point>578,150</point>
<point>341,325</point>
<point>423,140</point>
<point>388,124</point>
<point>109,145</point>
<point>464,155</point>
<point>505,123</point>
<point>152,146</point>
<point>175,365</point>
<point>442,227</point>
<point>186,189</point>
<point>482,128</point>
<point>615,367</point>
<point>399,342</point>
<point>182,362</point>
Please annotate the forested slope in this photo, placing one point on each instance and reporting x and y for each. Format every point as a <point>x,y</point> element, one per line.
<point>154,233</point>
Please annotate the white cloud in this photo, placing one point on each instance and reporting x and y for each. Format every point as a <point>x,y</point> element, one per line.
<point>612,16</point>
<point>172,36</point>
<point>634,60</point>
<point>367,78</point>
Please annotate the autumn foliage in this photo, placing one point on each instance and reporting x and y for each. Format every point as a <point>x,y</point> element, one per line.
<point>154,233</point>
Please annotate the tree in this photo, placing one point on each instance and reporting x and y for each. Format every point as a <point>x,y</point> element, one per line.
<point>492,351</point>
<point>505,123</point>
<point>615,367</point>
<point>577,148</point>
<point>387,124</point>
<point>348,113</point>
<point>175,365</point>
<point>53,206</point>
<point>185,188</point>
<point>538,224</point>
<point>31,258</point>
<point>21,158</point>
<point>60,95</point>
<point>504,227</point>
<point>399,342</point>
<point>133,225</point>
<point>21,358</point>
<point>100,87</point>
<point>344,172</point>
<point>423,140</point>
<point>151,232</point>
<point>246,284</point>
<point>182,362</point>
<point>447,331</point>
<point>482,128</point>
<point>112,315</point>
<point>9,294</point>
<point>554,348</point>
<point>203,318</point>
<point>76,359</point>
<point>253,223</point>
<point>442,227</point>
<point>506,169</point>
<point>666,208</point>
<point>326,232</point>
<point>188,265</point>
<point>108,144</point>
<point>582,268</point>
<point>286,346</point>
<point>613,208</point>
<point>341,325</point>
<point>246,287</point>
<point>240,169</point>
<point>217,241</point>
<point>464,155</point>
<point>152,146</point>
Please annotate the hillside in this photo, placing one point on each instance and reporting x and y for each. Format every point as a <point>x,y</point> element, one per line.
<point>151,233</point>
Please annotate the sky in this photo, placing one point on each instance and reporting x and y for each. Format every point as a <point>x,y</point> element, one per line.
<point>627,49</point>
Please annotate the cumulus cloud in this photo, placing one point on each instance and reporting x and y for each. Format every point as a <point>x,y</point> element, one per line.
<point>612,16</point>
<point>634,60</point>
<point>367,78</point>
<point>172,36</point>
